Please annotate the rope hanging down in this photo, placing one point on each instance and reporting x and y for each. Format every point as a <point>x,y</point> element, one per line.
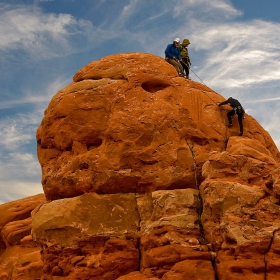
<point>194,164</point>
<point>200,208</point>
<point>205,85</point>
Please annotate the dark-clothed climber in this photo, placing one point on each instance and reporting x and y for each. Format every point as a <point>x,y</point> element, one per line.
<point>237,109</point>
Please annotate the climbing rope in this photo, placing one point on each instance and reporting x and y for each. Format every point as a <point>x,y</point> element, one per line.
<point>205,85</point>
<point>197,76</point>
<point>200,80</point>
<point>194,164</point>
<point>200,208</point>
<point>226,137</point>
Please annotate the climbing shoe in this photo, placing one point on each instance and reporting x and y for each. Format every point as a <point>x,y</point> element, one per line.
<point>241,133</point>
<point>229,125</point>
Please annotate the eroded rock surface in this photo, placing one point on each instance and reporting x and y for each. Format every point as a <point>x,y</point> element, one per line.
<point>241,210</point>
<point>102,236</point>
<point>20,257</point>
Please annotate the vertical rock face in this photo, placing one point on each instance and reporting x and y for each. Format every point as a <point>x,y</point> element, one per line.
<point>241,210</point>
<point>94,236</point>
<point>145,181</point>
<point>109,236</point>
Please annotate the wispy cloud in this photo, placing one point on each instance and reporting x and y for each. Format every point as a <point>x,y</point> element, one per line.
<point>17,131</point>
<point>129,9</point>
<point>38,99</point>
<point>39,35</point>
<point>16,189</point>
<point>234,55</point>
<point>216,9</point>
<point>20,172</point>
<point>264,100</point>
<point>25,100</point>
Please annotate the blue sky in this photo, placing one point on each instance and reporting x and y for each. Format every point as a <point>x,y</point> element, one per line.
<point>234,50</point>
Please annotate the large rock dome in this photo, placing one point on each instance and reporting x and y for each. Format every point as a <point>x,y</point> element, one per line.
<point>128,123</point>
<point>144,180</point>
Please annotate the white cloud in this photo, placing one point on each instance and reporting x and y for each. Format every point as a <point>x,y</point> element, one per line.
<point>215,9</point>
<point>26,164</point>
<point>40,35</point>
<point>265,100</point>
<point>238,54</point>
<point>18,131</point>
<point>20,175</point>
<point>40,99</point>
<point>13,189</point>
<point>129,9</point>
<point>20,172</point>
<point>24,100</point>
<point>118,22</point>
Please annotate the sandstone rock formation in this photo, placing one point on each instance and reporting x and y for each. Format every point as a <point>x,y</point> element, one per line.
<point>241,211</point>
<point>148,182</point>
<point>20,258</point>
<point>145,181</point>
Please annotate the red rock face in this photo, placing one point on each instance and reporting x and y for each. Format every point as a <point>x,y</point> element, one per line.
<point>241,210</point>
<point>20,257</point>
<point>145,181</point>
<point>129,124</point>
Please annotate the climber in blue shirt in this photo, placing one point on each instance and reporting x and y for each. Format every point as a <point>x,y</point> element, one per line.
<point>172,55</point>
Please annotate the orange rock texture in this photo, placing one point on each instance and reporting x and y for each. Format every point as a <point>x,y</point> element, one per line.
<point>20,257</point>
<point>145,181</point>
